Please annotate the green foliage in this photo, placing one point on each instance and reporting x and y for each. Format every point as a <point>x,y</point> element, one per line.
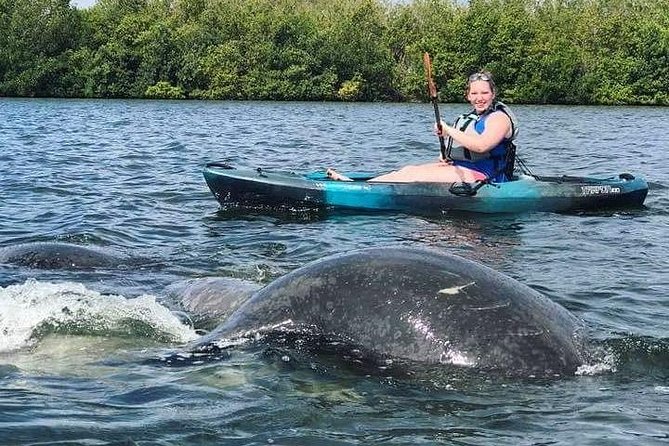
<point>164,90</point>
<point>35,39</point>
<point>548,51</point>
<point>351,89</point>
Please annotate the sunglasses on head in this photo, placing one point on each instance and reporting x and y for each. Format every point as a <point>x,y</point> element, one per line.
<point>479,77</point>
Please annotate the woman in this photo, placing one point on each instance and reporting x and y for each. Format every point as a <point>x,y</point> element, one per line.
<point>479,144</point>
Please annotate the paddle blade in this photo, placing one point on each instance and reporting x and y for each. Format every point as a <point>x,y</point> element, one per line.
<point>431,87</point>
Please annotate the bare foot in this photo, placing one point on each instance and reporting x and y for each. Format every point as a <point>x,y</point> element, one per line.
<point>334,175</point>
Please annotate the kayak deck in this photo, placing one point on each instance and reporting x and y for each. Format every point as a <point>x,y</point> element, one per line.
<point>235,187</point>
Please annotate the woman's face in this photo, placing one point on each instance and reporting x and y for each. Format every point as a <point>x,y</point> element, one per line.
<point>480,95</point>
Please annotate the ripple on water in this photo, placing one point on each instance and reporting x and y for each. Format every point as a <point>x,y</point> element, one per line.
<point>128,175</point>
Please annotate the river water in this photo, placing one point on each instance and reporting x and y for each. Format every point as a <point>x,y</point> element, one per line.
<point>78,347</point>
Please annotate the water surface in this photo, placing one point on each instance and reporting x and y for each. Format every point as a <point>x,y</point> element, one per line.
<point>77,346</point>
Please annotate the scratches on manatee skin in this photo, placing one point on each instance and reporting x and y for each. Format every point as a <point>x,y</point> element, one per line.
<point>452,291</point>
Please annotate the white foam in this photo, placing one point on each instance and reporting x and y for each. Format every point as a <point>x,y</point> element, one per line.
<point>25,308</point>
<point>605,365</point>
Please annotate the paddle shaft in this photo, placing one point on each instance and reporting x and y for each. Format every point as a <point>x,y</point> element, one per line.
<point>432,90</point>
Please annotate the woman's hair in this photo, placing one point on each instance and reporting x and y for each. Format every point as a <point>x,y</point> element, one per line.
<point>481,76</point>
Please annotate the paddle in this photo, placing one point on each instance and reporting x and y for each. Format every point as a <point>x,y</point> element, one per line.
<point>432,90</point>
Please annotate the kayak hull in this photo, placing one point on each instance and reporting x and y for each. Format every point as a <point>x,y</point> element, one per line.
<point>234,187</point>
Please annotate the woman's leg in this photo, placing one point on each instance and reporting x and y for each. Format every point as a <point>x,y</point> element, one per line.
<point>334,175</point>
<point>431,173</point>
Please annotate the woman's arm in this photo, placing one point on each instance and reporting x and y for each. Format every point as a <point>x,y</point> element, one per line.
<point>497,127</point>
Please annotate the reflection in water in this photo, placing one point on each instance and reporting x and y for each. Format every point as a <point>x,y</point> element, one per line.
<point>277,214</point>
<point>490,240</point>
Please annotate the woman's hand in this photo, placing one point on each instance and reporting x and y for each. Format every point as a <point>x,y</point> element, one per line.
<point>497,127</point>
<point>441,129</point>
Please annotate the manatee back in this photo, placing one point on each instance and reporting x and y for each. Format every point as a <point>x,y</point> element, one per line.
<point>46,255</point>
<point>420,305</point>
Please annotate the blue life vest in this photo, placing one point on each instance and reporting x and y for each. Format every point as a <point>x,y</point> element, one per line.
<point>497,163</point>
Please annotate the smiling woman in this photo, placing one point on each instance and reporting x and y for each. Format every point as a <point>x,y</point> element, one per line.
<point>480,143</point>
<point>482,140</point>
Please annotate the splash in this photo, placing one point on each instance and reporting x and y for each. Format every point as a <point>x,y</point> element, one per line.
<point>33,310</point>
<point>599,368</point>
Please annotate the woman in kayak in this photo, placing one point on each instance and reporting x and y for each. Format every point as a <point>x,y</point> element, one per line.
<point>479,143</point>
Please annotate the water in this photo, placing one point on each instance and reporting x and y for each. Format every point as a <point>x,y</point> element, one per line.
<point>78,348</point>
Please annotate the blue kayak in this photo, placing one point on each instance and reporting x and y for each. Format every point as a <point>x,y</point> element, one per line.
<point>240,187</point>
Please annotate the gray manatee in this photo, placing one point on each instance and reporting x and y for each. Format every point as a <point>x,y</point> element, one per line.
<point>209,300</point>
<point>53,255</point>
<point>416,305</point>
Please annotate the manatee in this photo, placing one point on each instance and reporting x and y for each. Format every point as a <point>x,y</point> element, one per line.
<point>48,255</point>
<point>209,300</point>
<point>415,305</point>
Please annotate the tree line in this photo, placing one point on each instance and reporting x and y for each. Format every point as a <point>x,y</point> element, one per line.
<point>540,51</point>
